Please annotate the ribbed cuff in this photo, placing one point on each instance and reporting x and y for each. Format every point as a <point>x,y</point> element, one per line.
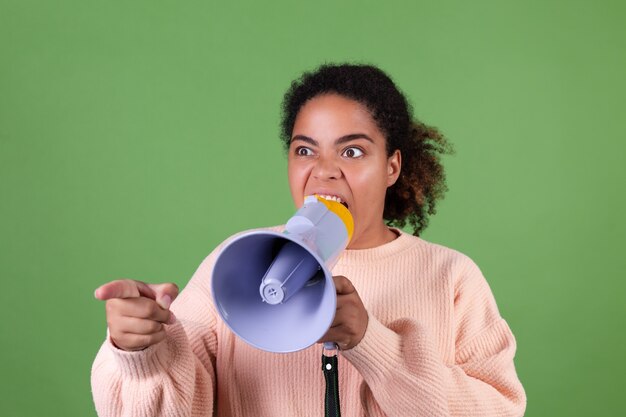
<point>150,361</point>
<point>377,353</point>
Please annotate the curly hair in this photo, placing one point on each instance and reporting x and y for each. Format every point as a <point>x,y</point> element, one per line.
<point>422,178</point>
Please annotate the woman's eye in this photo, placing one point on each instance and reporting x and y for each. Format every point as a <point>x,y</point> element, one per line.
<point>353,152</point>
<point>303,151</point>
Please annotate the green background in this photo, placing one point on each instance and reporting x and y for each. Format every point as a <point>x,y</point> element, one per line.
<point>136,135</point>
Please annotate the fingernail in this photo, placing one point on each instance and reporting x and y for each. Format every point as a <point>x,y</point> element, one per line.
<point>172,318</point>
<point>165,302</point>
<point>95,293</point>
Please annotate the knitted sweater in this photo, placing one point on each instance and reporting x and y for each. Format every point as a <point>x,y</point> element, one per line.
<point>435,345</point>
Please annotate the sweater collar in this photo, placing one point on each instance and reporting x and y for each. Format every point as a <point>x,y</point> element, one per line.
<point>360,256</point>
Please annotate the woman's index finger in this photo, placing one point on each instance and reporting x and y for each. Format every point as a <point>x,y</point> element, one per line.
<point>124,288</point>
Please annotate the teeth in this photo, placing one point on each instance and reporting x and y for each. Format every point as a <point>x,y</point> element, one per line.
<point>332,198</point>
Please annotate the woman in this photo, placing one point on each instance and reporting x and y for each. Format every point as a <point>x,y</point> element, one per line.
<point>417,325</point>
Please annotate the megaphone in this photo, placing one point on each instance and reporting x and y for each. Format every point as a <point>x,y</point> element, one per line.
<point>275,290</point>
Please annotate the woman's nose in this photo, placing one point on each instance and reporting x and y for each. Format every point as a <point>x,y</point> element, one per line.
<point>326,169</point>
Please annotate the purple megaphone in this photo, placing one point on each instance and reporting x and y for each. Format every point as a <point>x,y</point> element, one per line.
<point>275,290</point>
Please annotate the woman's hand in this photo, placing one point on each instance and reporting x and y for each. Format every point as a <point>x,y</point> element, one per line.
<point>351,318</point>
<point>136,312</point>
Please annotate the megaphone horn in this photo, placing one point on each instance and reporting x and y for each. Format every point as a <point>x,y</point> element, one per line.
<point>275,290</point>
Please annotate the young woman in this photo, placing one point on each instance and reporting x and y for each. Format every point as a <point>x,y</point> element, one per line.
<point>416,323</point>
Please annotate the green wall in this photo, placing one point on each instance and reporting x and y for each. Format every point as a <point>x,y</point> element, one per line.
<point>136,135</point>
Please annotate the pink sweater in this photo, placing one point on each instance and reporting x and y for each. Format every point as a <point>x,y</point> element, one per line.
<point>435,345</point>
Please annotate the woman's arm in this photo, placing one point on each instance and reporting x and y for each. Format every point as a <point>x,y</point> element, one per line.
<point>174,377</point>
<point>404,373</point>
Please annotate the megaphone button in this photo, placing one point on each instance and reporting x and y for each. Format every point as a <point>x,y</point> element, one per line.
<point>272,294</point>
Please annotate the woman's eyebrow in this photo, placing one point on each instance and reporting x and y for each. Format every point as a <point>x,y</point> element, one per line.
<point>305,139</point>
<point>353,136</point>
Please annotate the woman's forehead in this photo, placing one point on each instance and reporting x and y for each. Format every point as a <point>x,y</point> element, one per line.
<point>333,111</point>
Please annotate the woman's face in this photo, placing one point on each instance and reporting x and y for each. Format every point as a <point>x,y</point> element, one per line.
<point>337,150</point>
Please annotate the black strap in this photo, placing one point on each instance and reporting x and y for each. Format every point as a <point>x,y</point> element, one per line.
<point>331,374</point>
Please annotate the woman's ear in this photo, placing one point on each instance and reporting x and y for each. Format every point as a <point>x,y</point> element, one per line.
<point>394,164</point>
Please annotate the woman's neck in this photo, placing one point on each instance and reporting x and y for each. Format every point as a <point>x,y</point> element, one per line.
<point>373,238</point>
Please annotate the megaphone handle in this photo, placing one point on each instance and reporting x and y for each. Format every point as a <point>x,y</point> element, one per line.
<point>331,396</point>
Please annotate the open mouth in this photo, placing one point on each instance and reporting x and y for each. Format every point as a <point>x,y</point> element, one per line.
<point>334,198</point>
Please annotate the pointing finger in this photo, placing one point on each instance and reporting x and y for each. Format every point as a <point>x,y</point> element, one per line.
<point>124,288</point>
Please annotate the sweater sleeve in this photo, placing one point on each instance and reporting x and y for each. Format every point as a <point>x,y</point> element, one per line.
<point>404,374</point>
<point>172,378</point>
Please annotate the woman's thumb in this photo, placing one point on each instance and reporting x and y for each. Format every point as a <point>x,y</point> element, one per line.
<point>165,294</point>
